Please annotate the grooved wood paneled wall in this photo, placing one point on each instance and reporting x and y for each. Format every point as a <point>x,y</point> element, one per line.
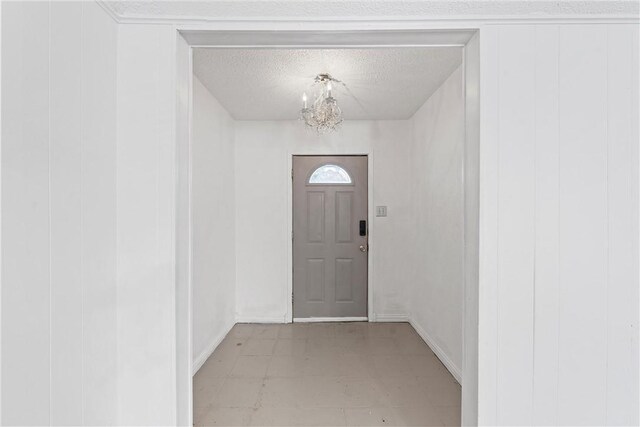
<point>559,239</point>
<point>58,214</point>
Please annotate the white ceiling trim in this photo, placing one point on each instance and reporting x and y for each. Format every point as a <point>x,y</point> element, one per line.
<point>327,39</point>
<point>234,13</point>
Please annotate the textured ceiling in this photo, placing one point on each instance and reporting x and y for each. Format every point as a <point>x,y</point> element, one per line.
<point>267,84</point>
<point>313,9</point>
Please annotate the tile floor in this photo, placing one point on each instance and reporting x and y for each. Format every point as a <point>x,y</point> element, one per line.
<point>325,374</point>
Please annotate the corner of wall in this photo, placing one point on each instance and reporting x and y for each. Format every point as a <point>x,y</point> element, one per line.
<point>208,351</point>
<point>435,131</point>
<point>213,213</point>
<point>455,370</point>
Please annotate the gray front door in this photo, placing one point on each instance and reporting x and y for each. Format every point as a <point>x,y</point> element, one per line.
<point>329,236</point>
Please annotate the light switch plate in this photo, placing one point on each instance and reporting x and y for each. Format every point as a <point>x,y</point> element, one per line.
<point>381,211</point>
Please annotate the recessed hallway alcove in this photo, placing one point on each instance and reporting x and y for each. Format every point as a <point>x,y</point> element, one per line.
<point>405,123</point>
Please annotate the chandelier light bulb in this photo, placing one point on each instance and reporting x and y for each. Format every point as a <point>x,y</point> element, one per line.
<point>304,100</point>
<point>329,89</point>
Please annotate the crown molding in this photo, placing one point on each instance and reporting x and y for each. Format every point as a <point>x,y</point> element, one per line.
<point>108,8</point>
<point>588,12</point>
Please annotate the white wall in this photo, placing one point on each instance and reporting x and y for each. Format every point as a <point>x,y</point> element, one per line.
<point>262,165</point>
<point>559,202</point>
<point>471,177</point>
<point>213,213</point>
<point>58,214</point>
<point>540,341</point>
<point>146,218</point>
<point>437,152</point>
<point>183,351</point>
<point>558,302</point>
<point>559,225</point>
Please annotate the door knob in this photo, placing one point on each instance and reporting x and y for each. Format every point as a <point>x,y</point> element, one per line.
<point>364,248</point>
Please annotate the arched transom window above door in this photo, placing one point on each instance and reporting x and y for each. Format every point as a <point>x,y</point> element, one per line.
<point>330,174</point>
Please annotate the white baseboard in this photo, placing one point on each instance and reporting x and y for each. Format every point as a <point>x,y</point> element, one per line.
<point>329,319</point>
<point>391,318</point>
<point>202,357</point>
<point>446,361</point>
<point>257,319</point>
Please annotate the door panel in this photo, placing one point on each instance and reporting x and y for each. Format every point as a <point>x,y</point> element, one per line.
<point>344,216</point>
<point>329,268</point>
<point>344,280</point>
<point>315,216</point>
<point>315,280</point>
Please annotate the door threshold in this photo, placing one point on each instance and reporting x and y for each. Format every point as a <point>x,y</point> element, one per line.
<point>329,319</point>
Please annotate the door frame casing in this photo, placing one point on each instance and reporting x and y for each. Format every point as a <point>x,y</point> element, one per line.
<point>370,233</point>
<point>317,34</point>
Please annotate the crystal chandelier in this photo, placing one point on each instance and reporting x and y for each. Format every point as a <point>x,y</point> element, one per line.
<point>324,115</point>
